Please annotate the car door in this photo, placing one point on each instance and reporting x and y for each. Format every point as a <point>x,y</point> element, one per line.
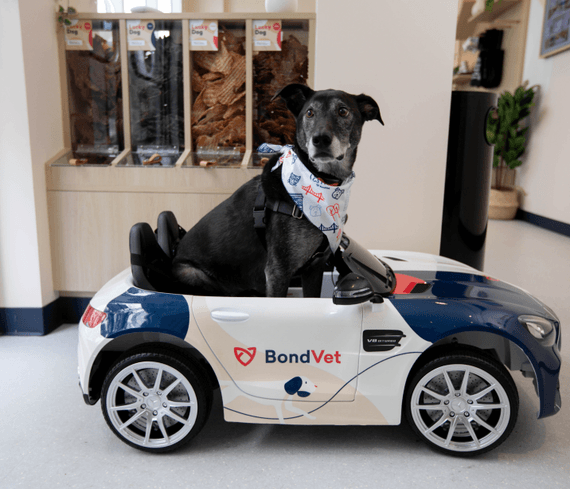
<point>265,343</point>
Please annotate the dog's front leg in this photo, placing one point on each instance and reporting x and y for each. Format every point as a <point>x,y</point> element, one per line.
<point>290,244</point>
<point>312,281</point>
<point>277,277</point>
<point>281,260</point>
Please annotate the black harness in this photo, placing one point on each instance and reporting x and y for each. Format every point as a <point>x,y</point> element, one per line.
<point>263,203</point>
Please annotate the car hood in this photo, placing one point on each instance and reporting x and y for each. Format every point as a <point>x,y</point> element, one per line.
<point>421,276</point>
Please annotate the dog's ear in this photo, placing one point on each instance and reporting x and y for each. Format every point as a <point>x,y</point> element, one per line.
<point>295,96</point>
<point>368,108</point>
<point>293,385</point>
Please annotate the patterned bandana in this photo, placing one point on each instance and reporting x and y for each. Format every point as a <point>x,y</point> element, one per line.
<point>324,205</point>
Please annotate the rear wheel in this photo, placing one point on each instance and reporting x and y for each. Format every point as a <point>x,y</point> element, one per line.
<point>155,401</point>
<point>463,403</point>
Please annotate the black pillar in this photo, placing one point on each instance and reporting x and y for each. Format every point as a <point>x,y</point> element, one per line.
<point>467,179</point>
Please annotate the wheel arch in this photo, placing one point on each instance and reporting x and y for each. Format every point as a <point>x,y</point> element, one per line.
<point>492,345</point>
<point>137,342</point>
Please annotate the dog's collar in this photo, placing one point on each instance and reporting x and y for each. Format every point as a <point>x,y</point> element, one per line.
<point>324,205</point>
<point>332,181</point>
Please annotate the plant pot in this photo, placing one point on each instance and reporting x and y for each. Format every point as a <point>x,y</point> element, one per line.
<point>504,178</point>
<point>503,204</point>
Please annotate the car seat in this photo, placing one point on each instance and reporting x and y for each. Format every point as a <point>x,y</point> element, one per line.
<point>150,265</point>
<point>168,233</point>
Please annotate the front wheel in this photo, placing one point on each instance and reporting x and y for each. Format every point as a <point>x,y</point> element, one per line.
<point>463,403</point>
<point>154,401</point>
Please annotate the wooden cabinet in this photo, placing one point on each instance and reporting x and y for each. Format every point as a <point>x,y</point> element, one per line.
<point>98,185</point>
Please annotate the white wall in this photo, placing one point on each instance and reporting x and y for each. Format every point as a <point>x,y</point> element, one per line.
<point>30,133</point>
<point>401,54</point>
<point>545,172</point>
<point>20,284</point>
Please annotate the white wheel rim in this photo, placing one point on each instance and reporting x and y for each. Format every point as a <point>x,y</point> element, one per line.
<point>151,404</point>
<point>460,408</point>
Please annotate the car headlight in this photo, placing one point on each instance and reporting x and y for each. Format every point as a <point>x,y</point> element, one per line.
<point>541,328</point>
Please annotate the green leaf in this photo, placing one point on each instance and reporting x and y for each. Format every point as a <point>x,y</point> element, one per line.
<point>507,133</point>
<point>519,141</point>
<point>67,22</point>
<point>61,10</point>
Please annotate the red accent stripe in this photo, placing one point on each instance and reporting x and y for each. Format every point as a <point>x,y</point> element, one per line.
<point>406,283</point>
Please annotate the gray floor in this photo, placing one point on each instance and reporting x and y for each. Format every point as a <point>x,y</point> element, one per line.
<point>50,438</point>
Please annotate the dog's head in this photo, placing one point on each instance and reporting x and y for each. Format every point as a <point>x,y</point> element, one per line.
<point>329,126</point>
<point>301,386</point>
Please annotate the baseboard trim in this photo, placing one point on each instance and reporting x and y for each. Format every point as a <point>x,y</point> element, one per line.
<point>39,321</point>
<point>544,222</point>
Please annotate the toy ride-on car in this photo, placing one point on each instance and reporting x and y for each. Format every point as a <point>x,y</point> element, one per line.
<point>393,335</point>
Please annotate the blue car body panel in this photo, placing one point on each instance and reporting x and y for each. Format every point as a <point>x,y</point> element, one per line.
<point>139,310</point>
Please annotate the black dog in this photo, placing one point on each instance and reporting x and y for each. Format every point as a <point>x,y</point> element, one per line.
<point>224,255</point>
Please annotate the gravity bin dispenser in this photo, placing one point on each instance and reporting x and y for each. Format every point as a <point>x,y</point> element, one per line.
<point>93,66</point>
<point>156,92</point>
<point>467,178</point>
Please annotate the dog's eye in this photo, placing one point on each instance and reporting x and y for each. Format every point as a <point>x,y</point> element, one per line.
<point>310,113</point>
<point>343,111</point>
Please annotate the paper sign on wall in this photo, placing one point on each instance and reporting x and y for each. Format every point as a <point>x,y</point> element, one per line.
<point>267,35</point>
<point>140,35</point>
<point>79,35</point>
<point>204,35</point>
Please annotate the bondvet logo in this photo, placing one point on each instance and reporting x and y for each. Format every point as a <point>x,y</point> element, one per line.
<point>246,356</point>
<point>243,356</point>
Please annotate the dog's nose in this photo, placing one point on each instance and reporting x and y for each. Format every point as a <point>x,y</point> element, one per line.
<point>322,141</point>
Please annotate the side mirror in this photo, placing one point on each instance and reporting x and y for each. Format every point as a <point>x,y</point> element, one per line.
<point>353,289</point>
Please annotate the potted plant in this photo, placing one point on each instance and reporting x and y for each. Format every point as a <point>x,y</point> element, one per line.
<point>507,129</point>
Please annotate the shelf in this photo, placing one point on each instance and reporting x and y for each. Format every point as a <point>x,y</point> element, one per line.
<point>462,78</point>
<point>467,24</point>
<point>499,8</point>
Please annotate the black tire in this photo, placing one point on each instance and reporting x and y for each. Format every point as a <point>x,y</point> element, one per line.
<point>462,415</point>
<point>155,416</point>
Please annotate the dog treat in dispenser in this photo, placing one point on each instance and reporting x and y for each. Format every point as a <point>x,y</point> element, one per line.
<point>218,98</point>
<point>94,90</point>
